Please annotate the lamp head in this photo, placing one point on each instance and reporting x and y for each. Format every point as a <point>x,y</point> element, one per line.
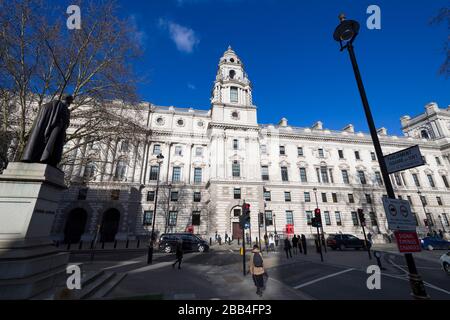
<point>346,31</point>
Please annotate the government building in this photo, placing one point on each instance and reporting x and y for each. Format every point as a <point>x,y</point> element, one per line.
<point>205,164</point>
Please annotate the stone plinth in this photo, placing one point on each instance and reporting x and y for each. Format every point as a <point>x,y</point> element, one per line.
<point>29,262</point>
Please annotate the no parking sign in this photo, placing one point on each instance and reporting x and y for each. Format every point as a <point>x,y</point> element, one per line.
<point>399,215</point>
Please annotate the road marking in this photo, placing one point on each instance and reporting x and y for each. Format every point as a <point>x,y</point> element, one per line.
<point>323,278</point>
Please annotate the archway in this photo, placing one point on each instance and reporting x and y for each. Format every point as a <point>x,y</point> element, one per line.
<point>110,225</point>
<point>75,225</point>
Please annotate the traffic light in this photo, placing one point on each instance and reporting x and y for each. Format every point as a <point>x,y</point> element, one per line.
<point>317,218</point>
<point>245,217</point>
<point>362,219</point>
<point>261,219</point>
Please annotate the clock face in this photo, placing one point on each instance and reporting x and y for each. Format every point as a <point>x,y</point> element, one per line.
<point>235,115</point>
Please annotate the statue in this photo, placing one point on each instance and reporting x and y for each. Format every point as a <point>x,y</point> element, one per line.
<point>47,137</point>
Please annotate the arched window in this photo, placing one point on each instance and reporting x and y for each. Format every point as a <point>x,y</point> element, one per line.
<point>90,169</point>
<point>424,134</point>
<point>121,169</point>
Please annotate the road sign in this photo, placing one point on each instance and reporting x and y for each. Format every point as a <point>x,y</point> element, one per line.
<point>407,241</point>
<point>404,160</point>
<point>399,215</point>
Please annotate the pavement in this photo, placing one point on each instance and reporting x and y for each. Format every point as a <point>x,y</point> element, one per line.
<point>218,275</point>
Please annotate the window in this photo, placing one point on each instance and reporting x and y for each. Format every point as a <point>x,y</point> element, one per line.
<point>431,181</point>
<point>234,94</point>
<point>338,218</point>
<point>324,174</point>
<point>287,196</point>
<point>300,151</point>
<point>148,218</point>
<point>373,219</point>
<point>373,156</point>
<point>284,174</point>
<point>173,215</point>
<point>282,150</point>
<point>198,175</point>
<point>362,177</point>
<point>409,200</point>
<point>438,161</point>
<point>318,174</point>
<point>327,218</point>
<point>400,198</point>
<point>423,199</point>
<point>267,196</point>
<point>176,174</point>
<point>174,196</point>
<point>303,176</point>
<point>154,170</point>
<point>237,212</point>
<point>351,198</point>
<point>120,170</point>
<point>115,194</point>
<point>124,146</point>
<point>89,170</point>
<point>263,149</point>
<point>324,197</point>
<point>439,201</point>
<point>444,179</point>
<point>430,219</point>
<point>321,154</point>
<point>196,218</point>
<point>236,169</point>
<point>269,218</point>
<point>198,151</point>
<point>82,193</point>
<point>330,171</point>
<point>156,149</point>
<point>379,178</point>
<point>345,177</point>
<point>398,179</point>
<point>309,218</point>
<point>355,219</point>
<point>357,156</point>
<point>446,221</point>
<point>341,154</point>
<point>237,193</point>
<point>235,144</point>
<point>368,198</point>
<point>415,218</point>
<point>197,196</point>
<point>307,197</point>
<point>289,217</point>
<point>151,196</point>
<point>178,150</point>
<point>265,173</point>
<point>416,179</point>
<point>335,199</point>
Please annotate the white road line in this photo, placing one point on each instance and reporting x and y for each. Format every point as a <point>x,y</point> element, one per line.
<point>323,278</point>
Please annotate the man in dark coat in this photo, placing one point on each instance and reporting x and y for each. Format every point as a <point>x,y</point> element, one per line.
<point>304,244</point>
<point>178,254</point>
<point>47,137</point>
<point>299,244</point>
<point>287,248</point>
<point>295,244</point>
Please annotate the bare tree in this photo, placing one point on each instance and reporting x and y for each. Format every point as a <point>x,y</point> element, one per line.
<point>442,17</point>
<point>41,59</point>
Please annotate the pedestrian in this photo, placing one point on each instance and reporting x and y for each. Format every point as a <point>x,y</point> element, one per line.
<point>179,254</point>
<point>441,234</point>
<point>305,249</point>
<point>299,244</point>
<point>287,248</point>
<point>271,243</point>
<point>369,237</point>
<point>266,242</point>
<point>277,239</point>
<point>257,270</point>
<point>219,238</point>
<point>226,237</point>
<point>295,244</point>
<point>434,234</point>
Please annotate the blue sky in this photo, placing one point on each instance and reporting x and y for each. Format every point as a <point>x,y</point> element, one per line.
<point>295,65</point>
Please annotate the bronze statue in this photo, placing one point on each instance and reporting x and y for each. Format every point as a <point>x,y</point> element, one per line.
<point>47,137</point>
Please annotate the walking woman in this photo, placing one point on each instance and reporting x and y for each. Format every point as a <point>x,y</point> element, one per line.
<point>257,270</point>
<point>179,254</point>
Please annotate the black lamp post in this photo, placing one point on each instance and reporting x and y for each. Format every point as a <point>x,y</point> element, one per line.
<point>346,33</point>
<point>429,220</point>
<point>169,186</point>
<point>160,158</point>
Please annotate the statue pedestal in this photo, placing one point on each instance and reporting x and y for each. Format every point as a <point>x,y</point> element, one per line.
<point>29,262</point>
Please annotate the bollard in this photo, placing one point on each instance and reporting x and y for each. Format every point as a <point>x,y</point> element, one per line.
<point>210,241</point>
<point>115,244</point>
<point>138,243</point>
<point>80,246</point>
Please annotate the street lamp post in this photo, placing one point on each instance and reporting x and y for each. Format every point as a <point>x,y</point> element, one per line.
<point>321,243</point>
<point>430,229</point>
<point>168,207</point>
<point>345,33</point>
<point>160,158</point>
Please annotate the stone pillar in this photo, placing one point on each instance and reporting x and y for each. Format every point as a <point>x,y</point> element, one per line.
<point>29,263</point>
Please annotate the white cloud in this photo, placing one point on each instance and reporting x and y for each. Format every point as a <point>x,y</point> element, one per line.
<point>191,86</point>
<point>139,35</point>
<point>185,38</point>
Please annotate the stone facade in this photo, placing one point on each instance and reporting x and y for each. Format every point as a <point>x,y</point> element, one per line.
<point>223,156</point>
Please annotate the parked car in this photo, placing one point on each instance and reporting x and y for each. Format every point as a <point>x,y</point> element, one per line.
<point>435,243</point>
<point>191,242</point>
<point>445,261</point>
<point>344,241</point>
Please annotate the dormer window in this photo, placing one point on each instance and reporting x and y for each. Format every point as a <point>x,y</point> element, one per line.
<point>232,60</point>
<point>232,74</point>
